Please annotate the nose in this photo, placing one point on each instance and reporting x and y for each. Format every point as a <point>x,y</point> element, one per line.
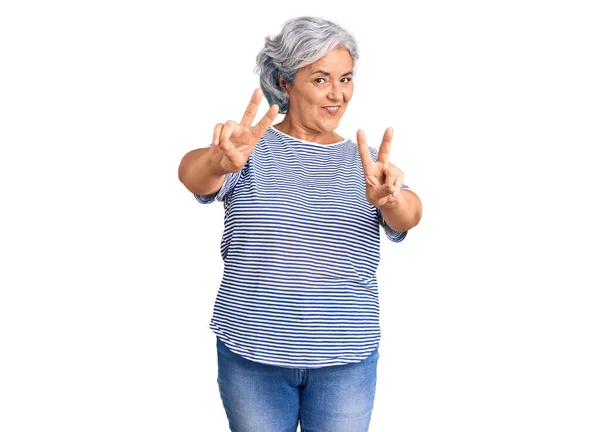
<point>335,92</point>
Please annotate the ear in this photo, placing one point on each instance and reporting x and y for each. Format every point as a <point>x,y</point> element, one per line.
<point>282,83</point>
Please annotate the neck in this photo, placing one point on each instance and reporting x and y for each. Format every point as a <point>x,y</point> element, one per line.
<point>295,129</point>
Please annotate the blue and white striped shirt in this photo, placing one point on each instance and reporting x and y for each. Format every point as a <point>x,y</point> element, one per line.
<point>300,248</point>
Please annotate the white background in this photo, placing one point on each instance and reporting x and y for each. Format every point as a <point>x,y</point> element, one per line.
<point>109,266</point>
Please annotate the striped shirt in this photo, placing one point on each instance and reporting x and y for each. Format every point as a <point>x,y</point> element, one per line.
<point>300,248</point>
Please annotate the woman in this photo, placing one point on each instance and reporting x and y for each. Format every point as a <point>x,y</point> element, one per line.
<point>296,315</point>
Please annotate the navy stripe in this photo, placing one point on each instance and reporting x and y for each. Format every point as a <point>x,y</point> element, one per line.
<point>301,249</point>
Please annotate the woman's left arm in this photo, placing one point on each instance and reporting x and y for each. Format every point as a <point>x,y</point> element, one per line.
<point>404,212</point>
<point>401,209</point>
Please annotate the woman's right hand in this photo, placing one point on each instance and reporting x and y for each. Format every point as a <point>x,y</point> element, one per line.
<point>233,143</point>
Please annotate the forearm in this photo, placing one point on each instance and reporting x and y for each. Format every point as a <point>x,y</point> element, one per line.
<point>198,174</point>
<point>404,213</point>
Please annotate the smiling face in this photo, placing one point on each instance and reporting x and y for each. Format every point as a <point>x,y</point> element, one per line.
<point>320,94</point>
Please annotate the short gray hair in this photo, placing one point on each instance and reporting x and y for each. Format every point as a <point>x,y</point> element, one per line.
<point>302,41</point>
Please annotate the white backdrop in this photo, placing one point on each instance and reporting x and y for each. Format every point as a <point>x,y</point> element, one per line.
<point>109,267</point>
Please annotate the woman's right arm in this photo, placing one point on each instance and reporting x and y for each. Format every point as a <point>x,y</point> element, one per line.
<point>198,174</point>
<point>203,170</point>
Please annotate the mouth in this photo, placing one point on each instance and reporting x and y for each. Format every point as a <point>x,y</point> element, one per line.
<point>332,110</point>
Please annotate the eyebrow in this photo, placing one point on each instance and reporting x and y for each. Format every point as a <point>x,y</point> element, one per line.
<point>327,73</point>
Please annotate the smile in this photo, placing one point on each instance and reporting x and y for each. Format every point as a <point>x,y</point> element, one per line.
<point>332,110</point>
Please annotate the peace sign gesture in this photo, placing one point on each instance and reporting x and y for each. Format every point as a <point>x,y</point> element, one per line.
<point>233,143</point>
<point>383,178</point>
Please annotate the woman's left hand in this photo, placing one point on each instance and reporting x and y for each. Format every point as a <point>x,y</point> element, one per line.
<point>383,178</point>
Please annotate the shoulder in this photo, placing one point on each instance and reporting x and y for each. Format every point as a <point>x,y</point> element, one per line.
<point>350,144</point>
<point>269,135</point>
<point>374,153</point>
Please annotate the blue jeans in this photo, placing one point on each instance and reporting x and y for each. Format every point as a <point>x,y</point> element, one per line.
<point>264,398</point>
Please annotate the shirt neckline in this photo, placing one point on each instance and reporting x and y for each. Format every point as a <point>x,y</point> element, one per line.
<point>304,141</point>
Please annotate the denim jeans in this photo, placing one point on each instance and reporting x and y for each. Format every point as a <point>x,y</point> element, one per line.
<point>264,398</point>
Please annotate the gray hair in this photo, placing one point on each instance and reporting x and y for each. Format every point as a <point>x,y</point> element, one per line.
<point>302,41</point>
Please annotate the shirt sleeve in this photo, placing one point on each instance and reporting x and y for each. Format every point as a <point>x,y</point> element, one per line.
<point>391,234</point>
<point>231,180</point>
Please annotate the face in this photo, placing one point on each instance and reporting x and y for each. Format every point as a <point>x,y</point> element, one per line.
<point>321,92</point>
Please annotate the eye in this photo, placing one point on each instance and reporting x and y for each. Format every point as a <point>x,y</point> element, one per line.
<point>347,79</point>
<point>322,80</point>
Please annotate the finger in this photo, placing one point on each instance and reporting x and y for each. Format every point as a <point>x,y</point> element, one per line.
<point>390,178</point>
<point>380,192</point>
<point>399,181</point>
<point>217,134</point>
<point>261,127</point>
<point>397,185</point>
<point>363,149</point>
<point>252,109</point>
<point>226,146</point>
<point>386,144</point>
